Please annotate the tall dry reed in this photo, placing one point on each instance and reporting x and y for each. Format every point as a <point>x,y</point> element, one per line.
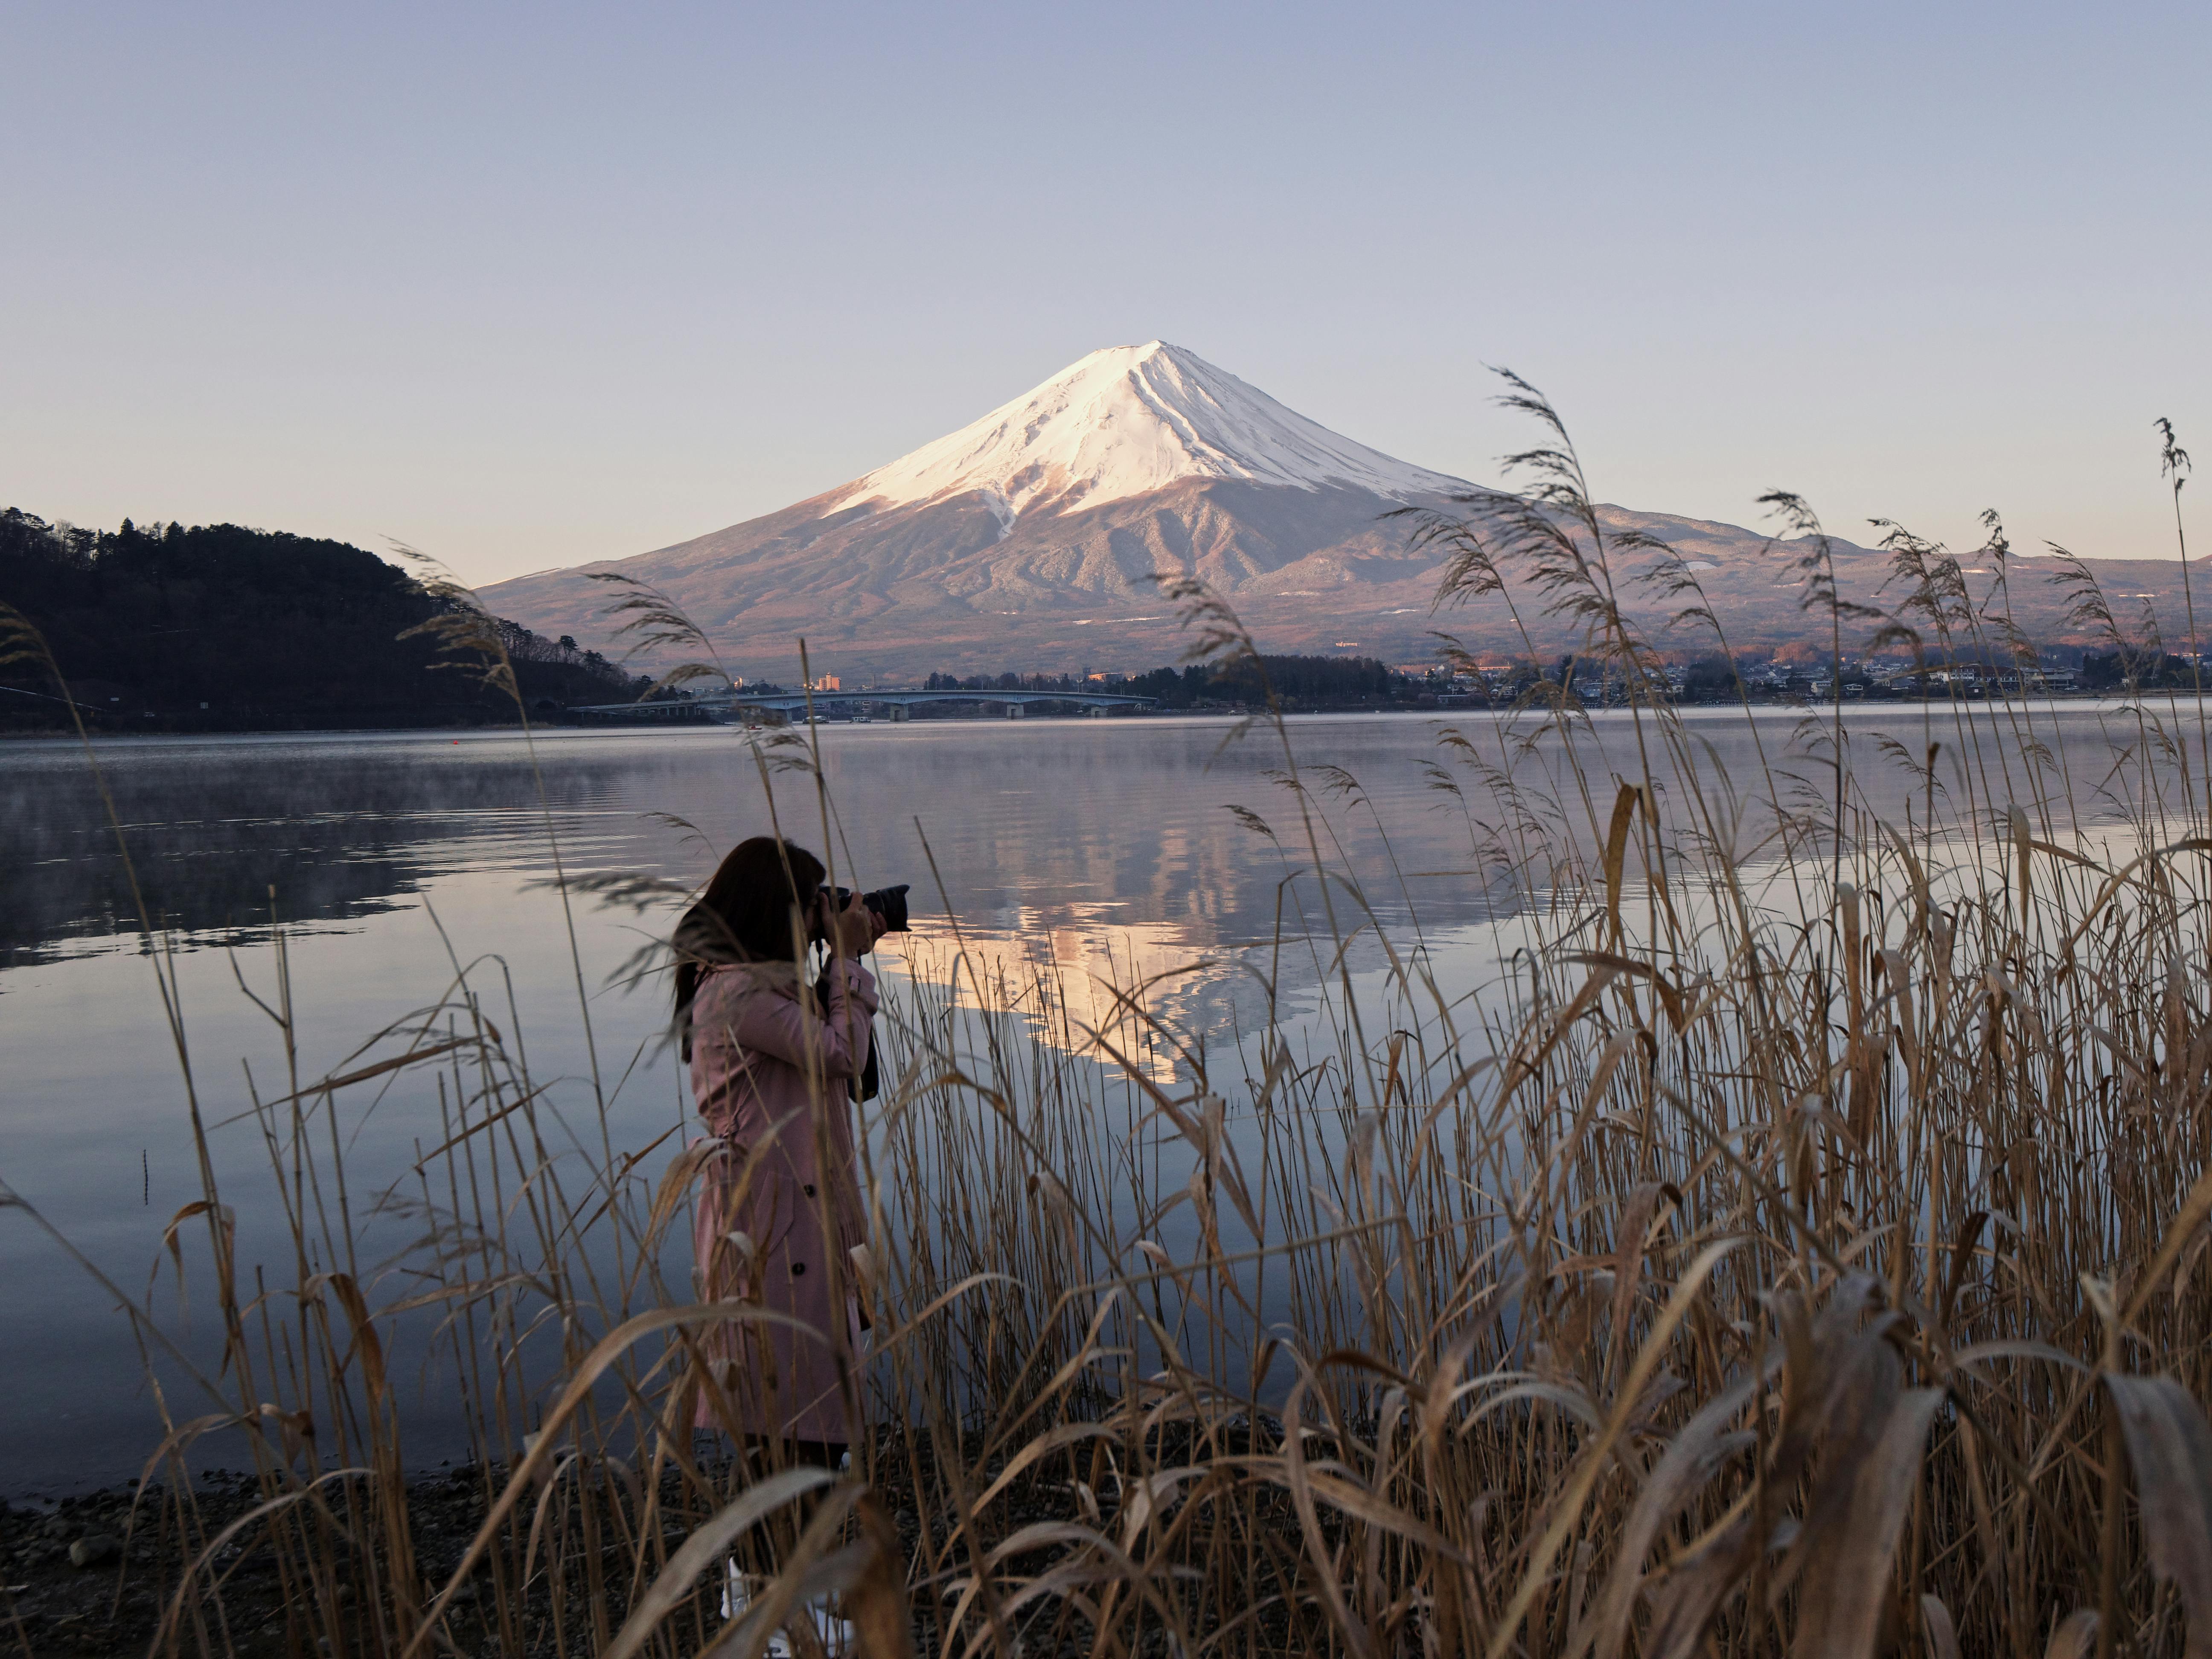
<point>1800,1247</point>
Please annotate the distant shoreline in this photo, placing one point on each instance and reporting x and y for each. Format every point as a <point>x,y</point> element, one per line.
<point>2062,701</point>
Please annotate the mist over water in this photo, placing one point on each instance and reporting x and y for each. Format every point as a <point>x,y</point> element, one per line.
<point>1102,848</point>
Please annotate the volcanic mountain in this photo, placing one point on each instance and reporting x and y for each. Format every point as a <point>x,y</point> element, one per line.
<point>1029,540</point>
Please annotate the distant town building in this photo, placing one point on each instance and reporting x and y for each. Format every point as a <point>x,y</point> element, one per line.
<point>826,682</point>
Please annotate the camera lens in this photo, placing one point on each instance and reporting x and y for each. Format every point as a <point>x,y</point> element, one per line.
<point>890,903</point>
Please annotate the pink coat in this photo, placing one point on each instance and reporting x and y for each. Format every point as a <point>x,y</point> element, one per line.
<point>781,1209</point>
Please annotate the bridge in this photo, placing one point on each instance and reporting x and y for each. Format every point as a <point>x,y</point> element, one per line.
<point>734,705</point>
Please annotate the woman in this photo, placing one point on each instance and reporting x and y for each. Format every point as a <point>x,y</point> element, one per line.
<point>772,1065</point>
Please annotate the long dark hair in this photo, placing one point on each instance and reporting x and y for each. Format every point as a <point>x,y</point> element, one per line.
<point>745,916</point>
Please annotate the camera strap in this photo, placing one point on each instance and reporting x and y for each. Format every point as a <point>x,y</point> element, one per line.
<point>865,1086</point>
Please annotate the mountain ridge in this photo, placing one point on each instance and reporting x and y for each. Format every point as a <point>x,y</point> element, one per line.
<point>1029,538</point>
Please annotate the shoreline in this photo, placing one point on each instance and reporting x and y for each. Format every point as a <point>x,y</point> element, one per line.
<point>2056,704</point>
<point>85,1574</point>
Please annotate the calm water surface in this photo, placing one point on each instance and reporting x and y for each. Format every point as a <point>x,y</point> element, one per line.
<point>389,858</point>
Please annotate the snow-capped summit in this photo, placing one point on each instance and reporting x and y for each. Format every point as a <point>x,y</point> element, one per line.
<point>1127,421</point>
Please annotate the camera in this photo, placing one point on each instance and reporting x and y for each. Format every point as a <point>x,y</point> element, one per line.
<point>889,903</point>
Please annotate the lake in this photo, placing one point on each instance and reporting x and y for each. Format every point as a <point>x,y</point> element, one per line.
<point>385,862</point>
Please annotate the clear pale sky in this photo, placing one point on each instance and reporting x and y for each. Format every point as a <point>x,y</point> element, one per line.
<point>529,285</point>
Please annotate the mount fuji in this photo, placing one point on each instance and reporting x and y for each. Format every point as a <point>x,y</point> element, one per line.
<point>1027,540</point>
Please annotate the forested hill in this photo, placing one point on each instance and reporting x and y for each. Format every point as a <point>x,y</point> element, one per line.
<point>221,628</point>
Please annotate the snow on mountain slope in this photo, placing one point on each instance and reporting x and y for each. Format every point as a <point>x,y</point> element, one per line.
<point>1032,538</point>
<point>1127,421</point>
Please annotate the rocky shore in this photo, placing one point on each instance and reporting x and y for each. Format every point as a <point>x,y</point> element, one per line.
<point>96,1574</point>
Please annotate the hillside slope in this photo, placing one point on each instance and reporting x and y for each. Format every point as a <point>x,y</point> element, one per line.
<point>217,627</point>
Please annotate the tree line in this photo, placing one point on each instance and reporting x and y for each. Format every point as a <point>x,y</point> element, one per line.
<point>219,627</point>
<point>1297,681</point>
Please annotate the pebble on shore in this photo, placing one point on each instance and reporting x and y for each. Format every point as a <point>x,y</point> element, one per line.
<point>93,1550</point>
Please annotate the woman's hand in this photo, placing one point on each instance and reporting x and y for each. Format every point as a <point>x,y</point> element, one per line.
<point>853,930</point>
